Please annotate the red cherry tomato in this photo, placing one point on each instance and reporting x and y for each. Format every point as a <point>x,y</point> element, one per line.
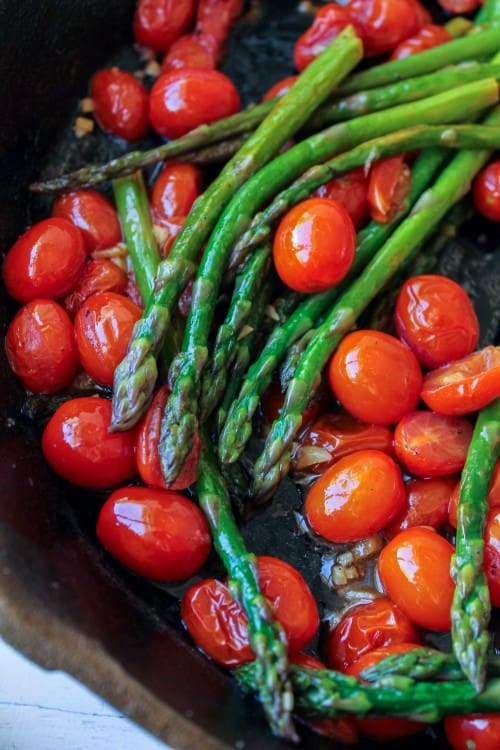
<point>214,17</point>
<point>383,24</point>
<point>388,186</point>
<point>328,22</point>
<point>181,100</point>
<point>414,569</point>
<point>280,88</point>
<point>427,502</point>
<point>351,190</point>
<point>333,436</point>
<point>432,445</point>
<point>476,731</point>
<point>94,216</point>
<point>493,496</point>
<point>120,104</point>
<point>314,245</point>
<point>174,191</point>
<point>492,554</point>
<point>436,319</point>
<point>148,459</point>
<point>191,51</point>
<point>103,326</point>
<point>366,627</point>
<point>40,347</point>
<point>100,275</point>
<point>78,445</point>
<point>340,504</point>
<point>375,377</point>
<point>158,23</point>
<point>457,7</point>
<point>466,385</point>
<point>158,534</point>
<point>427,37</point>
<point>486,191</point>
<point>45,261</point>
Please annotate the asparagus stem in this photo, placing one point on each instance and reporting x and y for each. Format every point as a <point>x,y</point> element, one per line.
<point>489,11</point>
<point>471,608</point>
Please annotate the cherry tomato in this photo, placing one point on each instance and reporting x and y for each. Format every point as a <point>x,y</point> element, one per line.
<point>432,445</point>
<point>486,191</point>
<point>158,23</point>
<point>103,326</point>
<point>414,569</point>
<point>78,445</point>
<point>191,51</point>
<point>45,261</point>
<point>366,627</point>
<point>94,216</point>
<point>328,22</point>
<point>148,459</point>
<point>280,88</point>
<point>314,245</point>
<point>493,496</point>
<point>40,347</point>
<point>214,17</point>
<point>383,24</point>
<point>466,385</point>
<point>333,436</point>
<point>359,377</point>
<point>100,275</point>
<point>457,7</point>
<point>120,103</point>
<point>158,534</point>
<point>181,100</point>
<point>351,190</point>
<point>473,732</point>
<point>436,319</point>
<point>174,191</point>
<point>427,502</point>
<point>388,186</point>
<point>492,554</point>
<point>340,504</point>
<point>427,37</point>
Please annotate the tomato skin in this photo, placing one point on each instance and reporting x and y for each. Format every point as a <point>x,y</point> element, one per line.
<point>94,216</point>
<point>366,627</point>
<point>306,256</point>
<point>427,37</point>
<point>328,22</point>
<point>78,445</point>
<point>280,88</point>
<point>358,377</point>
<point>99,275</point>
<point>414,569</point>
<point>432,445</point>
<point>493,495</point>
<point>158,23</point>
<point>436,319</point>
<point>340,504</point>
<point>351,190</point>
<point>148,459</point>
<point>181,100</point>
<point>191,51</point>
<point>458,7</point>
<point>103,327</point>
<point>486,191</point>
<point>492,554</point>
<point>158,534</point>
<point>388,186</point>
<point>40,347</point>
<point>120,103</point>
<point>465,385</point>
<point>477,731</point>
<point>383,24</point>
<point>427,505</point>
<point>174,191</point>
<point>45,261</point>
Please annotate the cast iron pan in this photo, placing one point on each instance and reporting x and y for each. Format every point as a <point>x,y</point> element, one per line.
<point>63,601</point>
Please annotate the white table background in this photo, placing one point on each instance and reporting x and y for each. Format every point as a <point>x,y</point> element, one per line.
<point>41,710</point>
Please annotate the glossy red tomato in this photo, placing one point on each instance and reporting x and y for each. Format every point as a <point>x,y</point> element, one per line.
<point>99,275</point>
<point>40,347</point>
<point>158,23</point>
<point>436,319</point>
<point>383,24</point>
<point>414,569</point>
<point>473,732</point>
<point>375,377</point>
<point>103,326</point>
<point>493,495</point>
<point>280,88</point>
<point>486,191</point>
<point>174,191</point>
<point>328,22</point>
<point>492,554</point>
<point>191,51</point>
<point>366,627</point>
<point>45,261</point>
<point>158,534</point>
<point>388,185</point>
<point>459,6</point>
<point>359,495</point>
<point>214,17</point>
<point>432,445</point>
<point>120,103</point>
<point>351,190</point>
<point>314,245</point>
<point>333,436</point>
<point>78,445</point>
<point>427,502</point>
<point>427,37</point>
<point>148,459</point>
<point>181,100</point>
<point>466,385</point>
<point>94,216</point>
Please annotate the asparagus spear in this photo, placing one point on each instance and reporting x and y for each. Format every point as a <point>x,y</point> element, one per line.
<point>471,608</point>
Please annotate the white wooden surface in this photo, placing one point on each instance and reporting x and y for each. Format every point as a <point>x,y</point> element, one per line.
<point>42,710</point>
